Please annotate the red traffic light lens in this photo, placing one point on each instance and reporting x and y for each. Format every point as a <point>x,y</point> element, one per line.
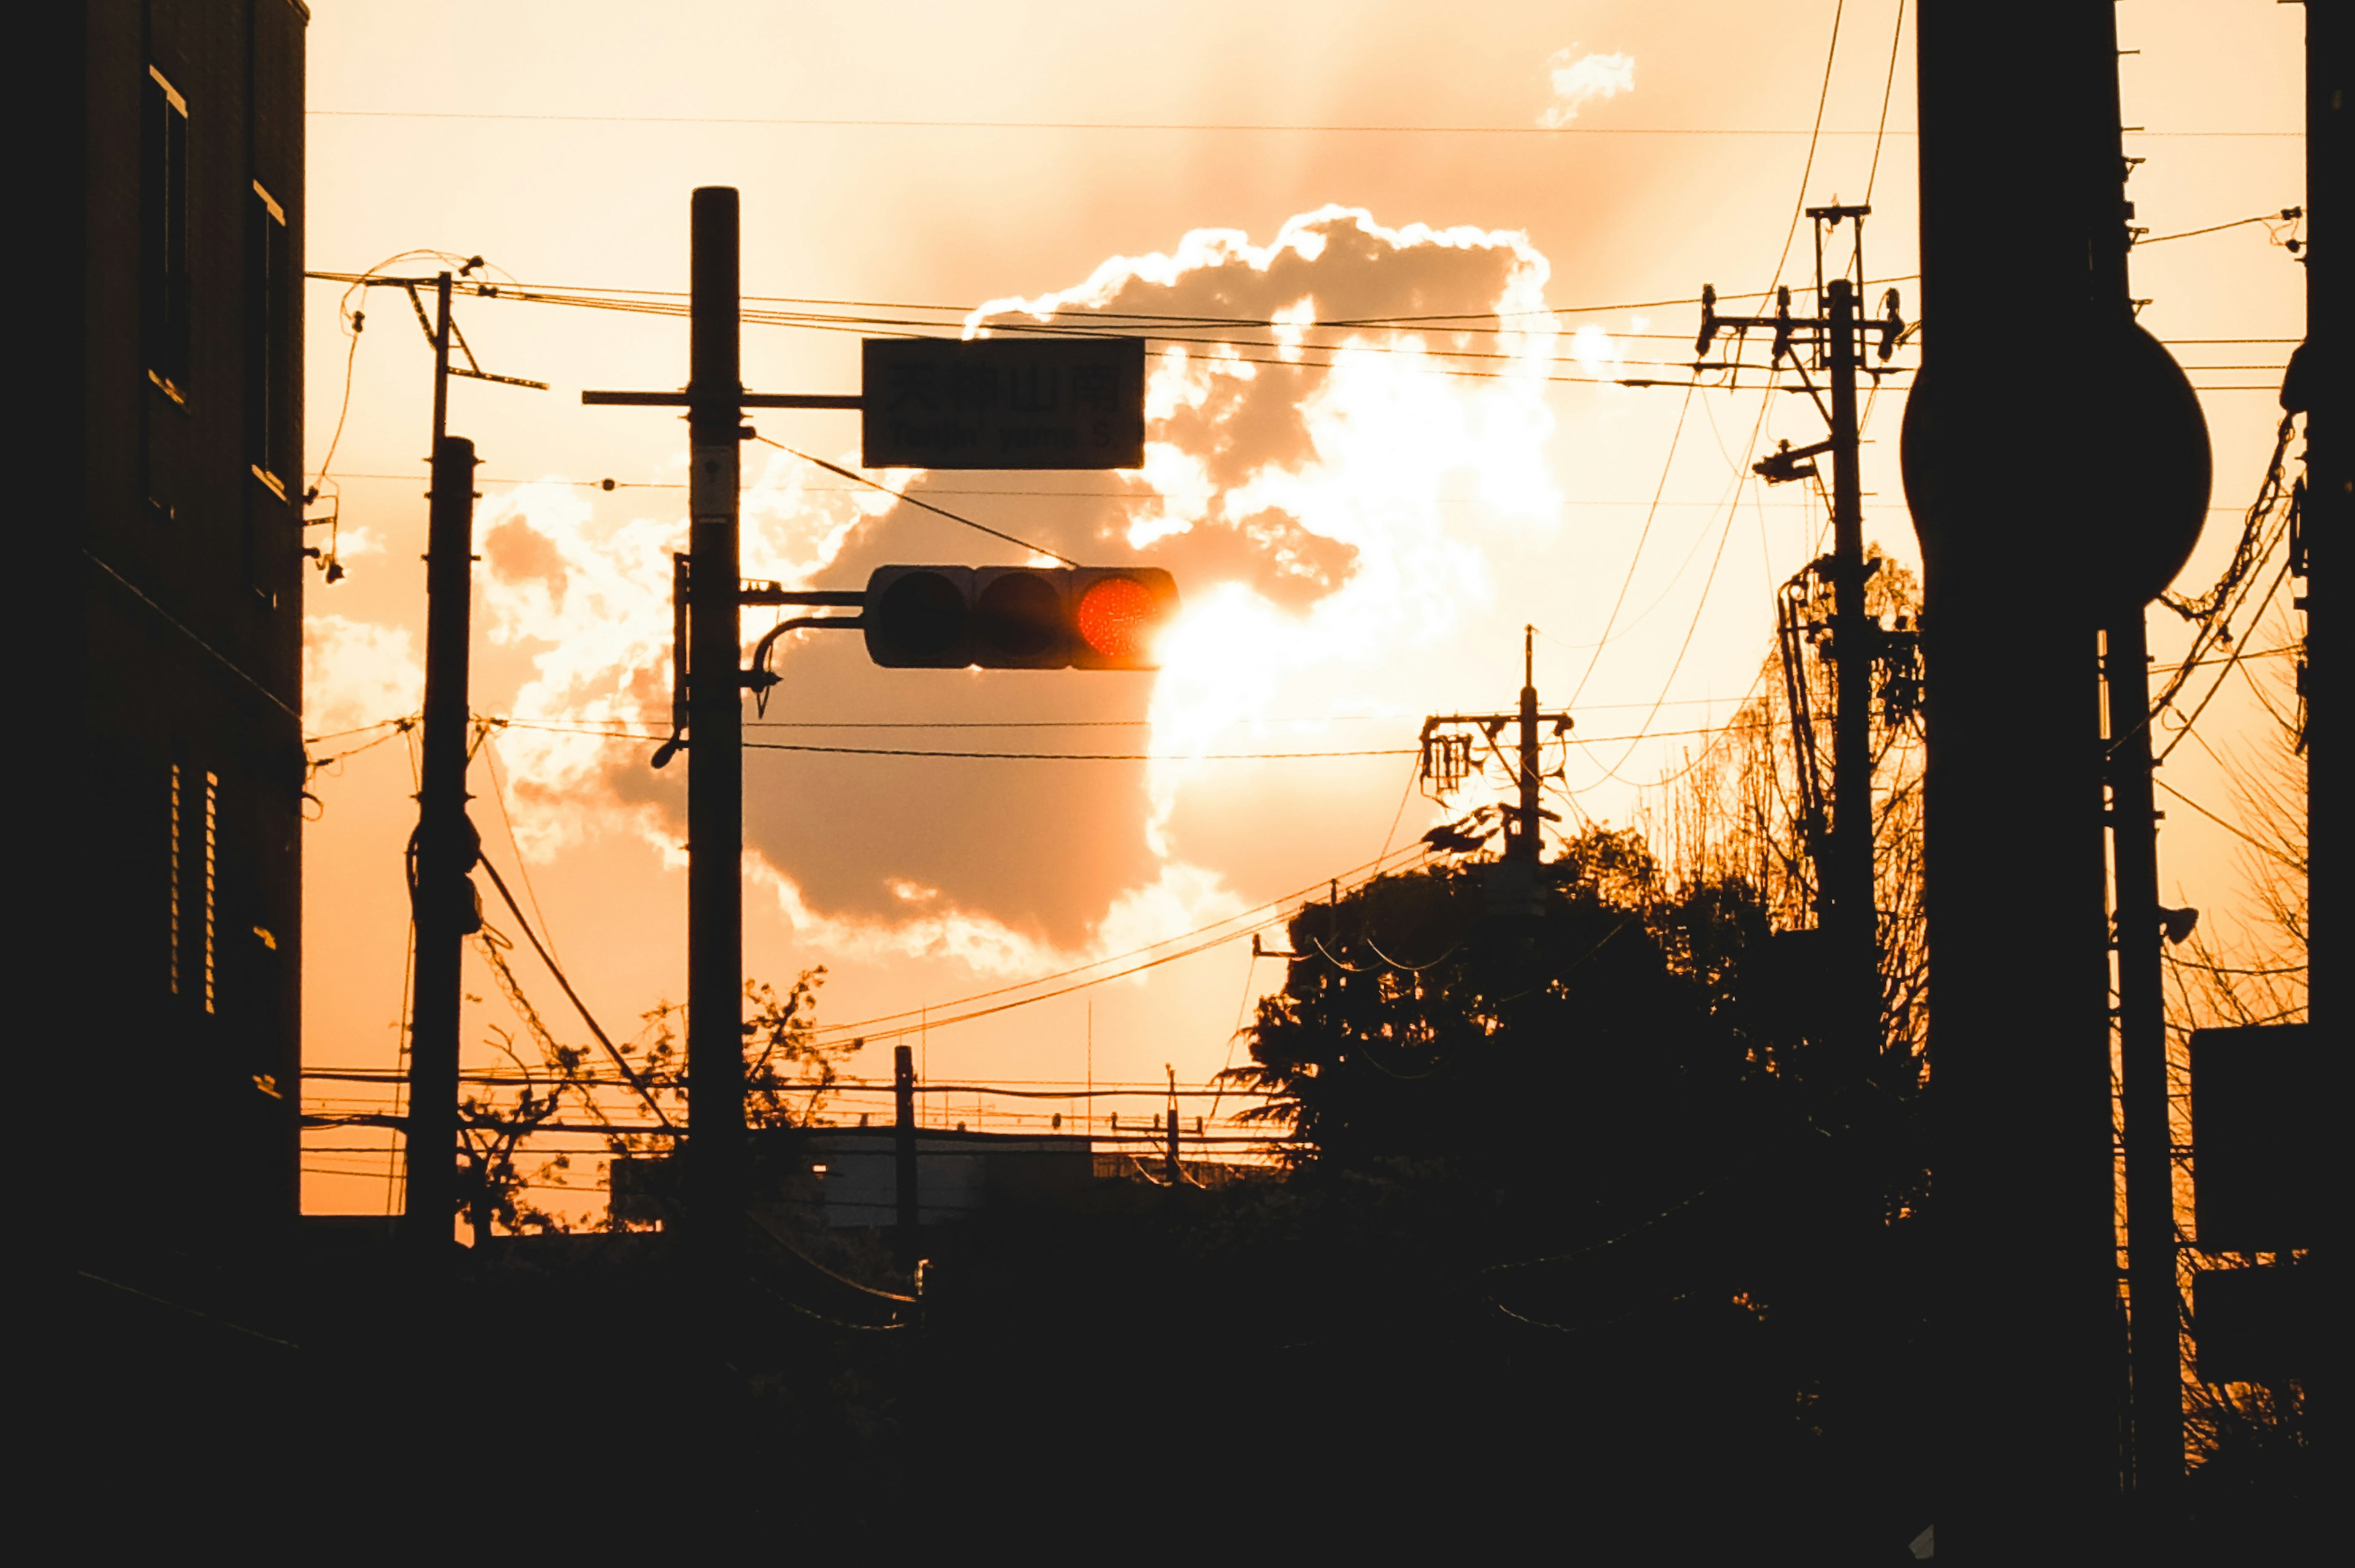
<point>1116,617</point>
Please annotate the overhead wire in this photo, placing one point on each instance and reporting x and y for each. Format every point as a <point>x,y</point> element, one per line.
<point>1243,924</point>
<point>676,302</point>
<point>2287,215</point>
<point>1176,125</point>
<point>1798,212</point>
<point>621,1063</point>
<point>917,501</point>
<point>1888,85</point>
<point>523,865</point>
<point>1651,513</point>
<point>654,735</point>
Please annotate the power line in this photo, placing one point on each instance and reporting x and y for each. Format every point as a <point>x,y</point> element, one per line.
<point>1061,756</point>
<point>674,301</point>
<point>1244,923</point>
<point>1169,125</point>
<point>1651,513</point>
<point>913,501</point>
<point>1888,85</point>
<point>2287,215</point>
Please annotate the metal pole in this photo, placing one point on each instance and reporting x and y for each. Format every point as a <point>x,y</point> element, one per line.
<point>1848,891</point>
<point>1171,1167</point>
<point>441,856</point>
<point>441,356</point>
<point>2328,508</point>
<point>2025,1280</point>
<point>903,1152</point>
<point>715,792</point>
<point>2156,1347</point>
<point>2329,516</point>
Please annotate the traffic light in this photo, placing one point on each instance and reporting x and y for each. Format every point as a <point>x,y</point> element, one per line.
<point>1017,617</point>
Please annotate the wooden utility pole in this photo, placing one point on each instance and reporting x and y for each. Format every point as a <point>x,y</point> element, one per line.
<point>441,855</point>
<point>1848,889</point>
<point>443,850</point>
<point>1449,758</point>
<point>1847,911</point>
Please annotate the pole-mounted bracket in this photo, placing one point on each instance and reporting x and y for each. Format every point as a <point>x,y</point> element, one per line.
<point>756,677</point>
<point>1787,463</point>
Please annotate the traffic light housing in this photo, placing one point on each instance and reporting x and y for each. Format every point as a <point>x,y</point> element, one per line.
<point>1017,617</point>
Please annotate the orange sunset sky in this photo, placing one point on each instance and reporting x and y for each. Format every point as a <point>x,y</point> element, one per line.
<point>1361,519</point>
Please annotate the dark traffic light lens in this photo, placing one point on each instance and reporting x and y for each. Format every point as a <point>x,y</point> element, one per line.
<point>1019,615</point>
<point>923,613</point>
<point>1116,617</point>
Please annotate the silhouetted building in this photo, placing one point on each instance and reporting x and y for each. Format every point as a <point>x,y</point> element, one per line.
<point>849,1175</point>
<point>169,907</point>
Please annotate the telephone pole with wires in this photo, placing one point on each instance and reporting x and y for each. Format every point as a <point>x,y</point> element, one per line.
<point>709,600</point>
<point>1857,644</point>
<point>444,847</point>
<point>1451,744</point>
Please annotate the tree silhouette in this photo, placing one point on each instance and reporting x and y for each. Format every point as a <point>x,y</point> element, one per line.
<point>789,1076</point>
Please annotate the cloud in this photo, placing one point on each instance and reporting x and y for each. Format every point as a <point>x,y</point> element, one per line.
<point>1302,507</point>
<point>1311,435</point>
<point>356,673</point>
<point>1581,79</point>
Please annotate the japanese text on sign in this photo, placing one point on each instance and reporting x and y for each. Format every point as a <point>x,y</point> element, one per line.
<point>1004,403</point>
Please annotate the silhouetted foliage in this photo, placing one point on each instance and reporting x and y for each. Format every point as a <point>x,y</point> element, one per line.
<point>789,1075</point>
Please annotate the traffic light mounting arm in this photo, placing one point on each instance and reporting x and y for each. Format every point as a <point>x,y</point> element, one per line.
<point>993,618</point>
<point>756,677</point>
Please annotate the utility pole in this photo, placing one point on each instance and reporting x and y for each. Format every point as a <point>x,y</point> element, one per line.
<point>1171,1167</point>
<point>1450,755</point>
<point>715,783</point>
<point>1846,908</point>
<point>2155,1345</point>
<point>1528,842</point>
<point>444,847</point>
<point>442,853</point>
<point>2318,381</point>
<point>715,680</point>
<point>903,1153</point>
<point>2046,508</point>
<point>2154,1451</point>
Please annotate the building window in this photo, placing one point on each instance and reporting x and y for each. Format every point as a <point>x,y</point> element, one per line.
<point>173,891</point>
<point>164,235</point>
<point>212,861</point>
<point>267,284</point>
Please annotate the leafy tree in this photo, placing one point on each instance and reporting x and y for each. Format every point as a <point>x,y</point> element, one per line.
<point>1748,808</point>
<point>789,1075</point>
<point>1565,1037</point>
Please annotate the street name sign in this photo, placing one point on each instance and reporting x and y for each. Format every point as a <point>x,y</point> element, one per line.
<point>1003,402</point>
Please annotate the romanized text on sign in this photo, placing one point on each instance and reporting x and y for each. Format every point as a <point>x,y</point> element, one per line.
<point>1004,403</point>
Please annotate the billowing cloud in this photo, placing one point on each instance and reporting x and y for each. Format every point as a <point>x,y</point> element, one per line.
<point>1298,489</point>
<point>1578,79</point>
<point>1309,400</point>
<point>356,673</point>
